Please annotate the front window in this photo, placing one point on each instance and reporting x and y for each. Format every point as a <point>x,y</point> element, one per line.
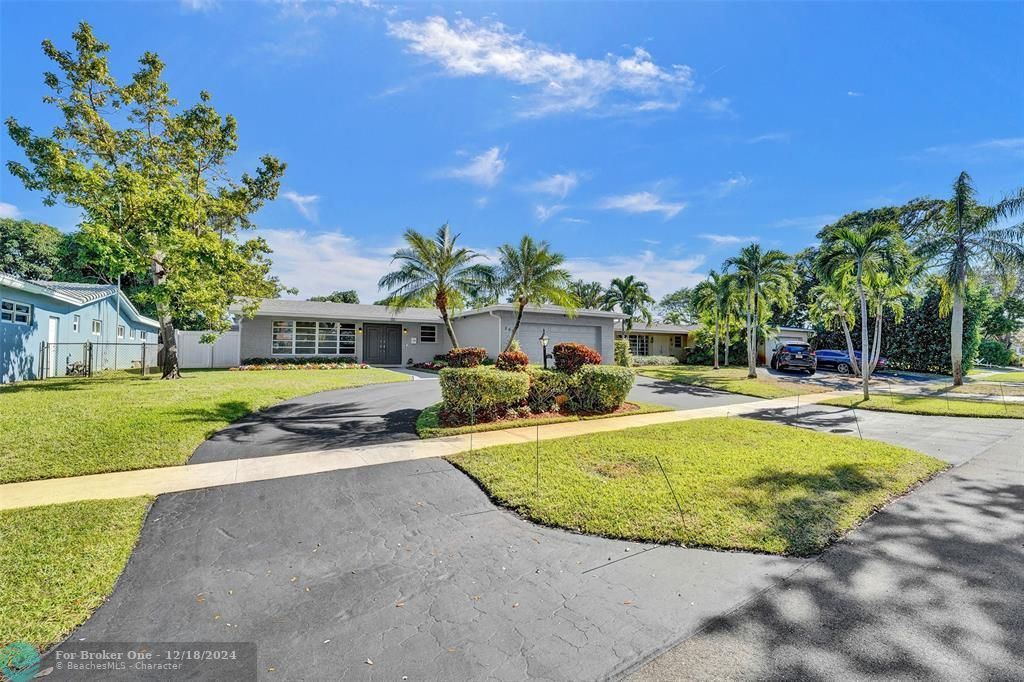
<point>677,341</point>
<point>428,333</point>
<point>76,322</point>
<point>307,337</point>
<point>16,313</point>
<point>131,334</point>
<point>639,344</point>
<point>97,327</point>
<point>120,331</point>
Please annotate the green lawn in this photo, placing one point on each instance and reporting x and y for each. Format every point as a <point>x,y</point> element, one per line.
<point>930,405</point>
<point>119,421</point>
<point>60,562</point>
<point>1005,376</point>
<point>742,484</point>
<point>428,426</point>
<point>731,379</point>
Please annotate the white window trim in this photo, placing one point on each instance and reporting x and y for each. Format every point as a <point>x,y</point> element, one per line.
<point>97,328</point>
<point>76,323</point>
<point>635,344</point>
<point>15,312</point>
<point>131,333</point>
<point>120,331</point>
<point>433,327</point>
<point>321,326</point>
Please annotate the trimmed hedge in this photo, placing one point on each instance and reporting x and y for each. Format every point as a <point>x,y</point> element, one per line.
<point>475,394</point>
<point>599,388</point>
<point>995,353</point>
<point>652,360</point>
<point>549,389</point>
<point>466,357</point>
<point>623,356</point>
<point>569,357</point>
<point>512,361</point>
<point>305,360</point>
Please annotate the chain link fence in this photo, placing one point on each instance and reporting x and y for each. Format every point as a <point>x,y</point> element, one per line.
<point>87,359</point>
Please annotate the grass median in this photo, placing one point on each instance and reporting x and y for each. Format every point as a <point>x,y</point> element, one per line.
<point>118,421</point>
<point>933,405</point>
<point>741,484</point>
<point>428,424</point>
<point>731,380</point>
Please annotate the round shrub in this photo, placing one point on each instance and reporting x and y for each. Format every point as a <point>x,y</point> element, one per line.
<point>994,353</point>
<point>548,389</point>
<point>623,356</point>
<point>480,394</point>
<point>470,356</point>
<point>512,361</point>
<point>654,360</point>
<point>600,388</point>
<point>569,357</point>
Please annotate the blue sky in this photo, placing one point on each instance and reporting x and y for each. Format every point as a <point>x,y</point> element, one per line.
<point>648,139</point>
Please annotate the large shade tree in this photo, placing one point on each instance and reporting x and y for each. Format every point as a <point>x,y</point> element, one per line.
<point>970,235</point>
<point>765,281</point>
<point>678,307</point>
<point>435,270</point>
<point>530,272</point>
<point>632,297</point>
<point>589,295</point>
<point>862,253</point>
<point>154,184</point>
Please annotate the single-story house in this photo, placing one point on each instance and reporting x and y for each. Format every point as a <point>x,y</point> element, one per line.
<point>45,326</point>
<point>379,335</point>
<point>659,338</point>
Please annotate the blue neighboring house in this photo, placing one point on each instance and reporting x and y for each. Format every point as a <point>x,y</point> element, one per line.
<point>66,316</point>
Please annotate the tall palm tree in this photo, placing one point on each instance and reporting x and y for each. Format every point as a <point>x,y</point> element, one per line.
<point>765,280</point>
<point>633,297</point>
<point>832,304</point>
<point>885,292</point>
<point>863,252</point>
<point>589,295</point>
<point>714,298</point>
<point>968,236</point>
<point>437,270</point>
<point>531,272</point>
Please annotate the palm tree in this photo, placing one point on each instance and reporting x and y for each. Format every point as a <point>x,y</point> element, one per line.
<point>435,269</point>
<point>714,298</point>
<point>863,252</point>
<point>832,304</point>
<point>589,295</point>
<point>765,279</point>
<point>530,272</point>
<point>968,236</point>
<point>633,297</point>
<point>885,292</point>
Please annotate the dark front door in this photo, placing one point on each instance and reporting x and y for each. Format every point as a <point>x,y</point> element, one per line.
<point>382,344</point>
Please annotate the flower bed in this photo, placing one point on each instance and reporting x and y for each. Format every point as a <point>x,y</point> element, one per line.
<point>430,366</point>
<point>308,365</point>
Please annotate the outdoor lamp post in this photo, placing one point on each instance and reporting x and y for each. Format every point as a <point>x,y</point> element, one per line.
<point>544,345</point>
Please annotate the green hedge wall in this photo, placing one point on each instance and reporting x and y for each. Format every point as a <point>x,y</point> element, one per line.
<point>473,394</point>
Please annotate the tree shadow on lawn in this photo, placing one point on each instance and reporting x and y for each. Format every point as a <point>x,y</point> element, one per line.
<point>297,427</point>
<point>817,417</point>
<point>668,387</point>
<point>930,590</point>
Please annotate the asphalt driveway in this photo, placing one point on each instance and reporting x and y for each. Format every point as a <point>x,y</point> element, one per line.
<point>383,413</point>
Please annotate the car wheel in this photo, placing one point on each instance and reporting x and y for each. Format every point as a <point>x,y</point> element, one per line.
<point>774,363</point>
<point>810,372</point>
<point>843,368</point>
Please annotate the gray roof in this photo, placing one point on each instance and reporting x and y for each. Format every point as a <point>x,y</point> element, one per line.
<point>76,293</point>
<point>354,311</point>
<point>534,308</point>
<point>81,291</point>
<point>663,328</point>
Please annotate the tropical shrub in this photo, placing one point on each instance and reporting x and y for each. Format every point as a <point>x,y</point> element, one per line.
<point>569,357</point>
<point>650,360</point>
<point>267,366</point>
<point>994,353</point>
<point>623,356</point>
<point>476,394</point>
<point>702,352</point>
<point>599,388</point>
<point>305,360</point>
<point>549,389</point>
<point>466,357</point>
<point>512,361</point>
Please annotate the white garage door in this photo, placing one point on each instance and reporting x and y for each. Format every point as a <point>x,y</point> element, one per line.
<point>529,335</point>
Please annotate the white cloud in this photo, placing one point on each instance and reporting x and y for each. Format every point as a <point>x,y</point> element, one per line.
<point>726,187</point>
<point>199,5</point>
<point>556,81</point>
<point>977,150</point>
<point>854,93</point>
<point>306,204</point>
<point>719,106</point>
<point>8,210</point>
<point>727,239</point>
<point>575,221</point>
<point>769,137</point>
<point>481,202</point>
<point>543,213</point>
<point>559,184</point>
<point>322,262</point>
<point>643,202</point>
<point>663,275</point>
<point>484,169</point>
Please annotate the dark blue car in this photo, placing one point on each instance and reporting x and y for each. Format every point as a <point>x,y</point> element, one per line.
<point>839,360</point>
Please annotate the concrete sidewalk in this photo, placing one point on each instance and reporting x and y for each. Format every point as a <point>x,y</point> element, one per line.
<point>193,476</point>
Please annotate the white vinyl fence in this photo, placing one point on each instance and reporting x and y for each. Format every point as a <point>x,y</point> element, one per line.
<point>224,352</point>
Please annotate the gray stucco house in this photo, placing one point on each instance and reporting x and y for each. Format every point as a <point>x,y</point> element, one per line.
<point>378,335</point>
<point>65,316</point>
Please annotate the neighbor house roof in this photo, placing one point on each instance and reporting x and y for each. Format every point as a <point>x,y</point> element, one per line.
<point>549,309</point>
<point>353,311</point>
<point>75,293</point>
<point>663,328</point>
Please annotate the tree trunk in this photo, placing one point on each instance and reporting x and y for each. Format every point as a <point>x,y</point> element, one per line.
<point>716,341</point>
<point>449,328</point>
<point>515,328</point>
<point>169,361</point>
<point>854,365</point>
<point>751,345</point>
<point>726,340</point>
<point>876,350</point>
<point>865,349</point>
<point>957,338</point>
